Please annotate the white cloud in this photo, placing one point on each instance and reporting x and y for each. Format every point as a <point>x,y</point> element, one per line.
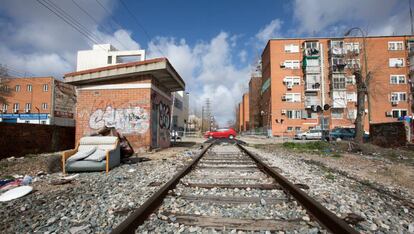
<point>208,70</point>
<point>383,17</point>
<point>36,40</point>
<point>271,30</point>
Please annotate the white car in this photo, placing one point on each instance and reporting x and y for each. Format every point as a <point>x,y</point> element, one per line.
<point>311,134</point>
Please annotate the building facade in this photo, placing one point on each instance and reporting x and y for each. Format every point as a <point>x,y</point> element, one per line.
<point>38,100</point>
<point>302,73</point>
<point>180,111</point>
<point>246,112</point>
<point>134,98</point>
<point>255,84</point>
<point>103,55</point>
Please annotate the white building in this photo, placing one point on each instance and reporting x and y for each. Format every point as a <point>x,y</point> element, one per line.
<point>180,111</point>
<point>103,55</point>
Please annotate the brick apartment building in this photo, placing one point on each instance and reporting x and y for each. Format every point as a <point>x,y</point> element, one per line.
<point>255,118</point>
<point>135,98</point>
<point>299,73</point>
<point>37,100</point>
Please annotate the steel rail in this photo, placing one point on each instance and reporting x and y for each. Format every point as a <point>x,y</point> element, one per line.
<point>322,215</point>
<point>131,223</point>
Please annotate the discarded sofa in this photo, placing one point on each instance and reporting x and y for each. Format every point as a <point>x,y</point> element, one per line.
<point>93,153</point>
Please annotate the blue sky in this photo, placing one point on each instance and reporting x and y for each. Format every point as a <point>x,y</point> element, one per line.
<point>212,44</point>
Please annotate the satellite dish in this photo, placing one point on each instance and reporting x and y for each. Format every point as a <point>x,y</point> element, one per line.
<point>326,107</point>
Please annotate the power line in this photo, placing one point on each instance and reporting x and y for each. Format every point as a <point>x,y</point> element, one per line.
<point>96,21</point>
<point>110,14</point>
<point>85,33</point>
<point>140,25</point>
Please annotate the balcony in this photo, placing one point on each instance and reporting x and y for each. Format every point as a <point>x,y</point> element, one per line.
<point>312,69</point>
<point>312,100</point>
<point>312,87</point>
<point>338,68</point>
<point>337,51</point>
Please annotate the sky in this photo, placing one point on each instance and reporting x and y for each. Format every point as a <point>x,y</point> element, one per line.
<point>213,44</point>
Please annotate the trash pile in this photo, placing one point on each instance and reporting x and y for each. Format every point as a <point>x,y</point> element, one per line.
<point>126,148</point>
<point>15,188</point>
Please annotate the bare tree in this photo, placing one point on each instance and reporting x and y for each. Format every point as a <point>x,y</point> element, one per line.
<point>4,85</point>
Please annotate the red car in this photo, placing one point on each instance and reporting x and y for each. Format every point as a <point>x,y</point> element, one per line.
<point>221,133</point>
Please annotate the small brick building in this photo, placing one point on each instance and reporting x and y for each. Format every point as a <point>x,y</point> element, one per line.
<point>134,97</point>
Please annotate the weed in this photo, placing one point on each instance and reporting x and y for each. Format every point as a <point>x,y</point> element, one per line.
<point>329,176</point>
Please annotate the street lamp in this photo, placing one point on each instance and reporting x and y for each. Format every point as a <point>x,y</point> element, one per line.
<point>365,63</point>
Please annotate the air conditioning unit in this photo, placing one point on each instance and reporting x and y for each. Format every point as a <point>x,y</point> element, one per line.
<point>283,112</point>
<point>282,65</point>
<point>284,98</point>
<point>388,114</point>
<point>289,86</point>
<point>394,103</point>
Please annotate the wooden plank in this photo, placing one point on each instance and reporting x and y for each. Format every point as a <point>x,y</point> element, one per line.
<point>221,223</point>
<point>231,199</point>
<point>233,186</point>
<point>229,167</point>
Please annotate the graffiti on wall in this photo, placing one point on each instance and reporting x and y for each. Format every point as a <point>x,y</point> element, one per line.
<point>125,120</point>
<point>164,115</point>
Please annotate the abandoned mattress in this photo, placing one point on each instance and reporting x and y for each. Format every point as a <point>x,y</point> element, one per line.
<point>85,165</point>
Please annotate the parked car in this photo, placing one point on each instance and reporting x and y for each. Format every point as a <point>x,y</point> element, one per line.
<point>221,133</point>
<point>344,134</point>
<point>310,134</point>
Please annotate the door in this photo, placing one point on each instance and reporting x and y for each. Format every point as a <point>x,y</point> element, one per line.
<point>154,125</point>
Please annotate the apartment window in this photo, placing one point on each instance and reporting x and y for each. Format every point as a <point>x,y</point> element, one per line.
<point>339,99</point>
<point>5,88</point>
<point>337,113</point>
<point>28,107</point>
<point>396,62</point>
<point>395,45</point>
<point>289,129</point>
<point>397,113</point>
<point>353,63</point>
<point>294,114</point>
<point>109,59</point>
<point>292,97</point>
<point>351,96</point>
<point>352,113</point>
<point>291,48</point>
<point>338,61</point>
<point>350,80</point>
<point>297,129</point>
<point>29,88</point>
<point>338,81</point>
<point>397,79</point>
<point>311,45</point>
<point>17,88</point>
<point>292,64</point>
<point>15,107</point>
<point>5,107</point>
<point>291,80</point>
<point>45,87</point>
<point>398,96</point>
<point>44,106</point>
<point>352,47</point>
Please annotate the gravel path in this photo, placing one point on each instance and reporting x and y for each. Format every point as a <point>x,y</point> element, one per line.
<point>93,203</point>
<point>382,213</point>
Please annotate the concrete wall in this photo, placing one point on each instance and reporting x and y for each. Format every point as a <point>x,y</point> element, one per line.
<point>22,139</point>
<point>388,134</point>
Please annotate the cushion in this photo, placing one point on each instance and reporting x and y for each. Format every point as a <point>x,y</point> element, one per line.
<point>82,153</point>
<point>85,166</point>
<point>97,156</point>
<point>98,140</point>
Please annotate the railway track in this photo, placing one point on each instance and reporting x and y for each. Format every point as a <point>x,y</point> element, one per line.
<point>227,188</point>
